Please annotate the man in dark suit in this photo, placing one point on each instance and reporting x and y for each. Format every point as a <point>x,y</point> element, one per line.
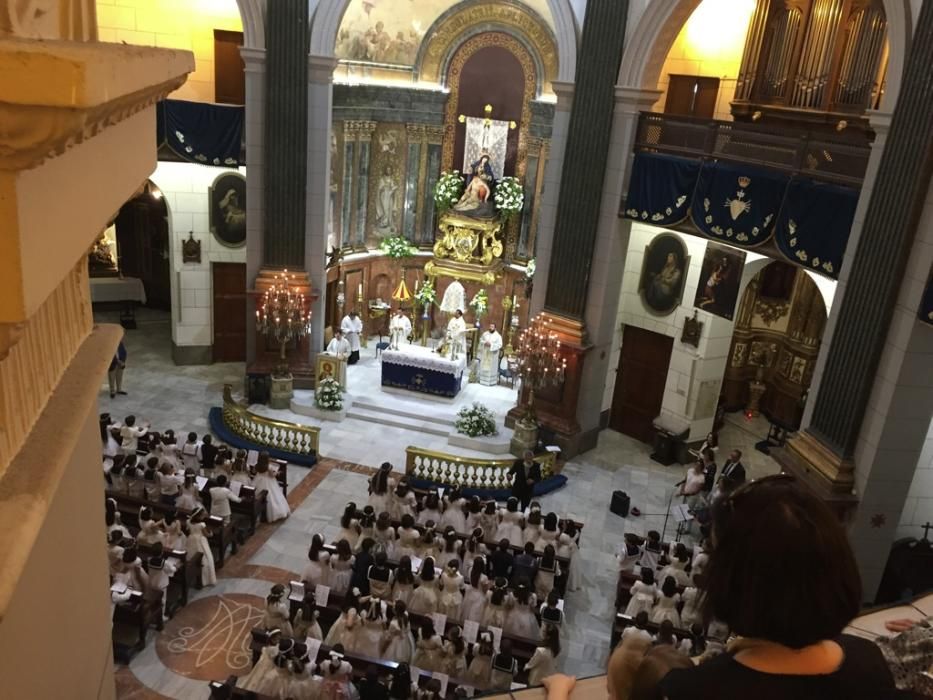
<point>733,472</point>
<point>500,561</point>
<point>525,473</point>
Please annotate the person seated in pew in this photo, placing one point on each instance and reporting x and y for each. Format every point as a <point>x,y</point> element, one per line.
<point>131,572</point>
<point>305,622</point>
<point>276,613</point>
<point>113,520</point>
<point>277,507</point>
<point>430,691</point>
<point>220,499</point>
<point>401,687</point>
<point>115,473</point>
<point>135,483</point>
<point>174,536</point>
<point>666,606</point>
<point>504,667</point>
<point>677,568</point>
<point>644,593</point>
<point>239,471</point>
<point>196,541</point>
<point>115,550</point>
<point>170,484</point>
<point>428,654</point>
<point>341,568</point>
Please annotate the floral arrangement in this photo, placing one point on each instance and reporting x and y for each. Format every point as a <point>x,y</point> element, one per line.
<point>426,296</point>
<point>397,247</point>
<point>476,421</point>
<point>480,302</point>
<point>328,396</point>
<point>448,190</point>
<point>530,268</point>
<point>510,197</point>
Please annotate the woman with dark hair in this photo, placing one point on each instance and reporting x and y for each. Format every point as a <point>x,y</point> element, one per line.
<point>454,511</point>
<point>276,614</point>
<point>548,570</point>
<point>428,648</point>
<point>474,598</point>
<point>341,568</point>
<point>532,531</point>
<point>408,537</point>
<point>451,583</point>
<point>305,622</point>
<point>403,501</point>
<point>521,621</point>
<point>544,661</point>
<point>644,593</point>
<point>398,644</point>
<point>511,522</point>
<point>349,526</point>
<point>430,510</point>
<point>384,534</point>
<point>404,581</point>
<point>474,510</point>
<point>666,607</point>
<point>380,486</point>
<point>424,600</point>
<point>380,577</point>
<point>455,664</point>
<point>782,575</point>
<point>400,687</point>
<point>550,532</point>
<point>317,571</point>
<point>489,520</point>
<point>469,552</point>
<point>481,664</point>
<point>498,601</point>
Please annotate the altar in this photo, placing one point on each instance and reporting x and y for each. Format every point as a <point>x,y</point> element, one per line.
<point>419,369</point>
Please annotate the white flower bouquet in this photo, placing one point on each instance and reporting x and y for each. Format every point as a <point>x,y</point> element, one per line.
<point>530,268</point>
<point>427,295</point>
<point>476,421</point>
<point>480,302</point>
<point>510,197</point>
<point>448,190</point>
<point>397,247</point>
<point>328,396</point>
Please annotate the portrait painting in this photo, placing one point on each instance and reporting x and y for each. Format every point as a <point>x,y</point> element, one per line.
<point>720,277</point>
<point>663,273</point>
<point>227,209</point>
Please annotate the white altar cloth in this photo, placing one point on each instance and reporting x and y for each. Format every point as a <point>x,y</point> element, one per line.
<point>117,289</point>
<point>424,358</point>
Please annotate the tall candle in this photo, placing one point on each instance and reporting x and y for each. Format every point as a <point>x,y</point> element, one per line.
<point>359,290</point>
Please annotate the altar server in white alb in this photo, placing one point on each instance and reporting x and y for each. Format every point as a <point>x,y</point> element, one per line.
<point>456,331</point>
<point>339,346</point>
<point>490,343</point>
<point>399,329</point>
<point>352,326</point>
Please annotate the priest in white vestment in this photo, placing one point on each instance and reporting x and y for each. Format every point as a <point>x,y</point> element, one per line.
<point>490,343</point>
<point>352,326</point>
<point>456,332</point>
<point>339,347</point>
<point>399,329</point>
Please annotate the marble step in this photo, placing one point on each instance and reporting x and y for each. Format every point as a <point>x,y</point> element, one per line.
<point>388,417</point>
<point>426,413</point>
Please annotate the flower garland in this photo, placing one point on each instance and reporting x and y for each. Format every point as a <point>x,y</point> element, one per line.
<point>397,247</point>
<point>448,190</point>
<point>328,396</point>
<point>426,296</point>
<point>480,302</point>
<point>476,421</point>
<point>510,197</point>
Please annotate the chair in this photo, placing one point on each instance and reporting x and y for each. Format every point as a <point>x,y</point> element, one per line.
<point>507,372</point>
<point>381,345</point>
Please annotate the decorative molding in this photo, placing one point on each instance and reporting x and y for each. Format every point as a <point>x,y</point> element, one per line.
<point>321,69</point>
<point>70,20</point>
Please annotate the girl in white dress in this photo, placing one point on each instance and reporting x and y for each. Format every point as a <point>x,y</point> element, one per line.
<point>428,649</point>
<point>135,485</point>
<point>666,607</point>
<point>430,544</point>
<point>480,667</point>
<point>454,515</point>
<point>548,570</point>
<point>151,480</point>
<point>380,488</point>
<point>425,598</point>
<point>404,581</point>
<point>305,623</point>
<point>520,620</point>
<point>532,531</point>
<point>304,685</point>
<point>117,484</point>
<point>380,577</point>
<point>276,686</point>
<point>367,527</point>
<point>567,547</point>
<point>474,598</point>
<point>398,644</point>
<point>450,548</point>
<point>690,614</point>
<point>474,548</point>
<point>474,511</point>
<point>644,593</point>
<point>511,523</point>
<point>369,638</point>
<point>197,542</point>
<point>497,601</point>
<point>408,537</point>
<point>451,598</point>
<point>677,568</point>
<point>455,664</point>
<point>403,501</point>
<point>167,448</point>
<point>149,531</point>
<point>430,510</point>
<point>189,497</point>
<point>341,568</point>
<point>550,531</point>
<point>277,507</point>
<point>489,521</point>
<point>239,472</point>
<point>265,664</point>
<point>544,661</point>
<point>174,537</point>
<point>336,674</point>
<point>349,526</point>
<point>317,571</point>
<point>276,615</point>
<point>347,620</point>
<point>384,534</point>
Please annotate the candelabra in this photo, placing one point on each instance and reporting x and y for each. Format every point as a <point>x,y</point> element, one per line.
<point>538,361</point>
<point>284,315</point>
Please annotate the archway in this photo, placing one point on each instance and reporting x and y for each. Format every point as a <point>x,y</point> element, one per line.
<point>142,234</point>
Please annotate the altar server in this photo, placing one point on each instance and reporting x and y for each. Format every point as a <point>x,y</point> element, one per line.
<point>352,326</point>
<point>339,345</point>
<point>489,346</point>
<point>399,329</point>
<point>456,332</point>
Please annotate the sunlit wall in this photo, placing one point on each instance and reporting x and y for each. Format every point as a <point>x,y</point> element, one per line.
<point>175,24</point>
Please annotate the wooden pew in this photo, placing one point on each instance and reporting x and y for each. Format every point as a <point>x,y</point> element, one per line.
<point>130,616</point>
<point>187,576</point>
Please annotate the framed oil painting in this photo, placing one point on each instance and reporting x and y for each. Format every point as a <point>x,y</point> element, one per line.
<point>663,273</point>
<point>227,209</point>
<point>720,277</point>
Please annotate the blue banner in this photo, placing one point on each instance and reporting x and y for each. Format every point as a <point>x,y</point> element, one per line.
<point>200,132</point>
<point>660,188</point>
<point>737,204</point>
<point>814,225</point>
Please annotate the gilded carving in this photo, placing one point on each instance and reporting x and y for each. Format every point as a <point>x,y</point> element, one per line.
<point>467,240</point>
<point>771,311</point>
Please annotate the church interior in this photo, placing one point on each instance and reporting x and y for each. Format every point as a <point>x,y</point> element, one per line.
<point>459,348</point>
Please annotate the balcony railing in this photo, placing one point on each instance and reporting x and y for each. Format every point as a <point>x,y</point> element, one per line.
<point>802,153</point>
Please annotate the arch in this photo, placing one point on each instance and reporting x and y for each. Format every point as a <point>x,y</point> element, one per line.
<point>657,28</point>
<point>253,16</point>
<point>329,13</point>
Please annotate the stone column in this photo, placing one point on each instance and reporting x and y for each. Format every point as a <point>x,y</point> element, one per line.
<point>866,317</point>
<point>255,60</point>
<point>319,81</point>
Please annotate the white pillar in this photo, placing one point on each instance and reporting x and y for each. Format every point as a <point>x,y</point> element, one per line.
<point>254,129</point>
<point>320,103</point>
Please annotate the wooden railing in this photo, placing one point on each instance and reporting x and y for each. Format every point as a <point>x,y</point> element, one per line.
<point>467,472</point>
<point>279,435</point>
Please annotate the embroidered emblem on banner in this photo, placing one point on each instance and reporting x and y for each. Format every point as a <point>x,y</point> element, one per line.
<point>739,205</point>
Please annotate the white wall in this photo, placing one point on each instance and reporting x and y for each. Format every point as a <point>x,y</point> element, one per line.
<point>918,508</point>
<point>185,188</point>
<point>690,367</point>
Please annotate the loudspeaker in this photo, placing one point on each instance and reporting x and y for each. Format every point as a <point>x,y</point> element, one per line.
<point>620,503</point>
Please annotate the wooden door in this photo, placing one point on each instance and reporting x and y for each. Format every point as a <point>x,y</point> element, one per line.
<point>229,284</point>
<point>639,389</point>
<point>692,96</point>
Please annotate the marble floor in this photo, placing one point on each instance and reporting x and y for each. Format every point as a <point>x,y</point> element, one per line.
<point>177,662</point>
